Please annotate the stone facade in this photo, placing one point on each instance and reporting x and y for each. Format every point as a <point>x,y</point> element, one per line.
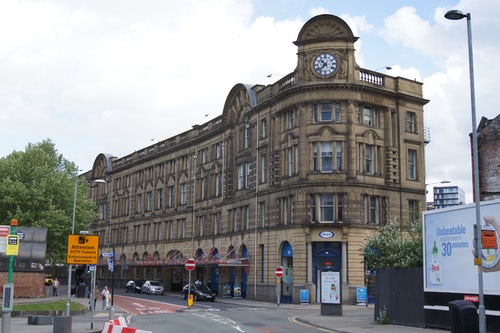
<point>298,173</point>
<point>488,143</point>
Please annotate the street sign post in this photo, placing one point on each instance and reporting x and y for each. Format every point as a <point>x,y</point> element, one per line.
<point>12,246</point>
<point>190,265</point>
<point>83,249</point>
<point>278,272</point>
<point>4,232</point>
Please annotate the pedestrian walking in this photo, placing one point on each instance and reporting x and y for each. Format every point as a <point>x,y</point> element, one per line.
<point>106,298</point>
<point>96,293</point>
<point>55,287</point>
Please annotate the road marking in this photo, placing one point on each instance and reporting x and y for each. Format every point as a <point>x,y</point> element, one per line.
<point>147,306</point>
<point>219,319</point>
<point>295,321</point>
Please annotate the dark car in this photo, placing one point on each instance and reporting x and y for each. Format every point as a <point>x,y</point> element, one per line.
<point>199,292</point>
<point>132,287</point>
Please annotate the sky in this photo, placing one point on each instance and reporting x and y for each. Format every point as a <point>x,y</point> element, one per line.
<point>114,76</point>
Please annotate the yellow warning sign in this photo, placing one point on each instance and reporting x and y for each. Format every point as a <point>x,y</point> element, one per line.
<point>83,249</point>
<point>12,246</point>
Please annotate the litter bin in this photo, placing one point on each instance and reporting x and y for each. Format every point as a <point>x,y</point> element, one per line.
<point>81,291</point>
<point>463,317</point>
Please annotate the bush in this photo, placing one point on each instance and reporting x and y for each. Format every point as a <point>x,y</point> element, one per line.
<point>395,247</point>
<point>383,317</point>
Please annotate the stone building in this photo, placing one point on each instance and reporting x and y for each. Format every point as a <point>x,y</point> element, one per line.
<point>298,174</point>
<point>488,143</point>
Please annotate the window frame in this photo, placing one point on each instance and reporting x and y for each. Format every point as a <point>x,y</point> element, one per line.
<point>411,122</point>
<point>412,160</point>
<point>323,112</point>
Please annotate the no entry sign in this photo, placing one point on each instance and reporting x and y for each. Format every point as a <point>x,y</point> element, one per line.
<point>278,272</point>
<point>190,264</point>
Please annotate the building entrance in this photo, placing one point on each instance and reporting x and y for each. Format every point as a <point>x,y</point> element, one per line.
<point>327,257</point>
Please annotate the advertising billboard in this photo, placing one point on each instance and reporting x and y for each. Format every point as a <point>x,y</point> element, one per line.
<point>330,287</point>
<point>448,236</point>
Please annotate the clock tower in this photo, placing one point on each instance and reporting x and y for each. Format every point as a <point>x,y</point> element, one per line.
<point>325,50</point>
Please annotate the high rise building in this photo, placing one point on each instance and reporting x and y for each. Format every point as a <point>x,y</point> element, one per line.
<point>297,174</point>
<point>447,196</point>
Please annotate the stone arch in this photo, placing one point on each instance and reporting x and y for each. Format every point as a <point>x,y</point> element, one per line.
<point>325,28</point>
<point>102,166</point>
<point>240,100</point>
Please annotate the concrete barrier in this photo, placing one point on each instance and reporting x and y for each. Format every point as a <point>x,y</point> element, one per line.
<point>39,320</point>
<point>119,325</point>
<point>62,324</point>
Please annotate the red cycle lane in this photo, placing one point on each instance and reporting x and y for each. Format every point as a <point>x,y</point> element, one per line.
<point>143,306</point>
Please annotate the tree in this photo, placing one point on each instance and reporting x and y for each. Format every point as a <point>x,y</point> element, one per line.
<point>37,189</point>
<point>393,247</point>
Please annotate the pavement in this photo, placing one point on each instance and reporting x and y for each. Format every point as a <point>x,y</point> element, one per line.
<point>354,318</point>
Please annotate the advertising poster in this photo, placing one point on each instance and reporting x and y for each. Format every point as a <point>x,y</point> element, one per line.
<point>330,287</point>
<point>449,249</point>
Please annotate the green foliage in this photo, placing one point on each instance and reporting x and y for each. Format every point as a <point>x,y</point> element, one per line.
<point>395,247</point>
<point>37,188</point>
<point>383,316</point>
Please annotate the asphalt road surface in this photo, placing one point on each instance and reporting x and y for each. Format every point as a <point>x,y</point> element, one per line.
<point>171,314</point>
<point>242,320</point>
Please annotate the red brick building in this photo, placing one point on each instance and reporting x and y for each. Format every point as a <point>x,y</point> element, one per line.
<point>488,141</point>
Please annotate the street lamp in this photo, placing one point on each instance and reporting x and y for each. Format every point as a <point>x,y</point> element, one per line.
<point>458,15</point>
<point>107,216</point>
<point>68,296</point>
<point>435,183</point>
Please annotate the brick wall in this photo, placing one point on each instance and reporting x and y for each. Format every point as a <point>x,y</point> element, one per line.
<point>489,159</point>
<point>26,284</point>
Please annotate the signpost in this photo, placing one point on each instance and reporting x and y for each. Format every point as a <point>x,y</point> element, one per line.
<point>4,232</point>
<point>11,249</point>
<point>190,265</point>
<point>83,249</point>
<point>278,272</point>
<point>12,246</point>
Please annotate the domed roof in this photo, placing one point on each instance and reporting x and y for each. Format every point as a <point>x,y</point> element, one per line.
<point>325,28</point>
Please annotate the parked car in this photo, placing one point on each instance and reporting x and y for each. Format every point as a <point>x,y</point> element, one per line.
<point>48,280</point>
<point>153,287</point>
<point>199,292</point>
<point>132,287</point>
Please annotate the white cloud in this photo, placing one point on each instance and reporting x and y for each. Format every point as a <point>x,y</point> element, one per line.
<point>448,115</point>
<point>110,76</point>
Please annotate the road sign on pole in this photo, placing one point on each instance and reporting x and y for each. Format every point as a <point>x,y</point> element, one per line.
<point>83,249</point>
<point>278,271</point>
<point>190,264</point>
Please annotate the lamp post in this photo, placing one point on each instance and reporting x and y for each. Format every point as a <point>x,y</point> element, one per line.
<point>68,296</point>
<point>458,15</point>
<point>387,68</point>
<point>112,245</point>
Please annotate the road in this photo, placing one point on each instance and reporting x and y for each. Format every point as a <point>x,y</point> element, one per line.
<point>170,314</point>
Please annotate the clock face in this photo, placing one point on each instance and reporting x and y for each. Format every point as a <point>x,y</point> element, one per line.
<point>325,64</point>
